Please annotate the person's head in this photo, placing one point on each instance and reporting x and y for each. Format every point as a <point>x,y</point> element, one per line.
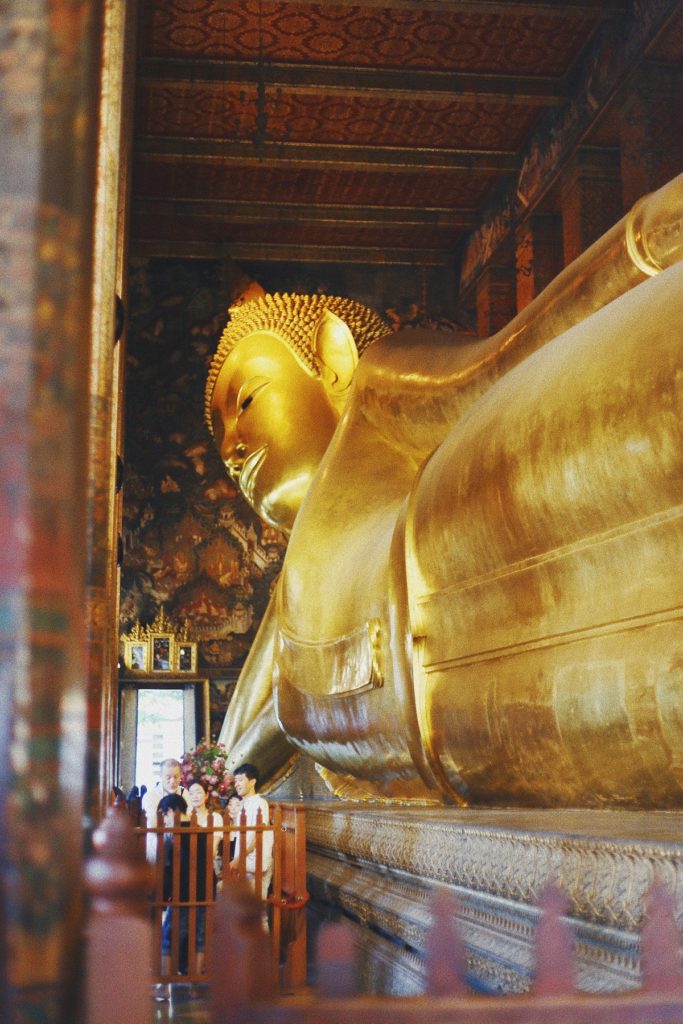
<point>170,805</point>
<point>275,391</point>
<point>197,794</point>
<point>234,807</point>
<point>246,780</point>
<point>169,774</point>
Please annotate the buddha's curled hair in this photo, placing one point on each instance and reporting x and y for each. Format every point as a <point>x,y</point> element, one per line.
<point>294,318</point>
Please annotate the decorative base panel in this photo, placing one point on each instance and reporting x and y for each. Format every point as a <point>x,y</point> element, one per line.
<point>379,867</point>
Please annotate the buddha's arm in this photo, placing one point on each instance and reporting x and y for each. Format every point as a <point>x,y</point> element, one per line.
<point>414,385</point>
<point>250,731</point>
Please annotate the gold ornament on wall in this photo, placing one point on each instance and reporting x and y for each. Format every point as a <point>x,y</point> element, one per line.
<point>159,647</point>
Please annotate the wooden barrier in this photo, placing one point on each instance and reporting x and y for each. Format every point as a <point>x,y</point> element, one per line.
<point>244,982</point>
<point>119,932</point>
<point>551,1001</point>
<point>188,881</point>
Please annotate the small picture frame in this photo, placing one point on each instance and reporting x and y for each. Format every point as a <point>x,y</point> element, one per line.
<point>186,656</point>
<point>162,652</point>
<point>136,655</point>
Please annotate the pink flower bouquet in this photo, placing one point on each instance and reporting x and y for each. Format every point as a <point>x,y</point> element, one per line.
<point>207,763</point>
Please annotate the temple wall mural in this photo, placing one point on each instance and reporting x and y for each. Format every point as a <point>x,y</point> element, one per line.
<point>189,544</point>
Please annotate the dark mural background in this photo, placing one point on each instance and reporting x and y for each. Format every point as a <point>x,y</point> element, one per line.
<point>190,542</point>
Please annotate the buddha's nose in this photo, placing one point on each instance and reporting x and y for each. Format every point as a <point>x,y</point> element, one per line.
<point>234,458</point>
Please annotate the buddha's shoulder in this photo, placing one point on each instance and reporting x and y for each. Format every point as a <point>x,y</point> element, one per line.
<point>413,350</point>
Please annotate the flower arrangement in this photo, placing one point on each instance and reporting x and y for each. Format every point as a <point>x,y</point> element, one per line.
<point>207,763</point>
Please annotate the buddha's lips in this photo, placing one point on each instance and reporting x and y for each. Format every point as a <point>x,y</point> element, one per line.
<point>250,469</point>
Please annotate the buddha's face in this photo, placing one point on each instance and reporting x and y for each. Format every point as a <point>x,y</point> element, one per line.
<point>272,421</point>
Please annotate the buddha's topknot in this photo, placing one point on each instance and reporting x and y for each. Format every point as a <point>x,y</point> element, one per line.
<point>295,319</point>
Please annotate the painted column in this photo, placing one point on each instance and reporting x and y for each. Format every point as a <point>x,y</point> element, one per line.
<point>113,161</point>
<point>49,54</point>
<point>591,199</point>
<point>651,136</point>
<point>538,255</point>
<point>495,298</point>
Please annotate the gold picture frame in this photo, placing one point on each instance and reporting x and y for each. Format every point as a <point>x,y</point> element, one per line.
<point>160,648</point>
<point>162,652</point>
<point>136,655</point>
<point>186,656</point>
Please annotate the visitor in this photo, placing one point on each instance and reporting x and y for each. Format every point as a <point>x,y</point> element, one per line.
<point>246,784</point>
<point>167,784</point>
<point>235,815</point>
<point>197,797</point>
<point>234,809</point>
<point>190,890</point>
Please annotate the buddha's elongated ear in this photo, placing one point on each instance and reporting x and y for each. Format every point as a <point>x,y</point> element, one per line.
<point>336,352</point>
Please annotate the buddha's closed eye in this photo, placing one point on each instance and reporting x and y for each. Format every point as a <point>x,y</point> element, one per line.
<point>248,392</point>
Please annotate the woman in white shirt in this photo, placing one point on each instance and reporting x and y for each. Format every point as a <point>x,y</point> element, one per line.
<point>197,796</point>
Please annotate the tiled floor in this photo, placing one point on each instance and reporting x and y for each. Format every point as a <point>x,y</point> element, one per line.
<point>183,1007</point>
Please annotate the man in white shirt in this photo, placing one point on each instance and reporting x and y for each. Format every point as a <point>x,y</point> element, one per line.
<point>246,783</point>
<point>169,782</point>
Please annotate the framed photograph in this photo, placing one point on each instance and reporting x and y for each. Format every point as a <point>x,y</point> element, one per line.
<point>136,655</point>
<point>162,652</point>
<point>186,656</point>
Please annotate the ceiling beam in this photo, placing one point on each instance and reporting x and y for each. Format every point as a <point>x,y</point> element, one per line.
<point>616,51</point>
<point>287,253</point>
<point>389,83</point>
<point>294,155</point>
<point>238,212</point>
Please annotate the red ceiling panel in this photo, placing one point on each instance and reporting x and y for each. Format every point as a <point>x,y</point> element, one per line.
<point>230,112</point>
<point>528,44</point>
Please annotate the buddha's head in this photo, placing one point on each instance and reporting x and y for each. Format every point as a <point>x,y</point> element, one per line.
<point>276,388</point>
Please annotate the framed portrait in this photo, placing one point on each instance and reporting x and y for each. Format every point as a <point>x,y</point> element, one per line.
<point>136,655</point>
<point>186,656</point>
<point>162,645</point>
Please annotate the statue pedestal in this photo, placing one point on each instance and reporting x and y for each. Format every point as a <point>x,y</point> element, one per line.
<point>378,866</point>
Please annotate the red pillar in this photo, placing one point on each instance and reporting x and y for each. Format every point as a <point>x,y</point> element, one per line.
<point>591,199</point>
<point>495,298</point>
<point>650,131</point>
<point>538,256</point>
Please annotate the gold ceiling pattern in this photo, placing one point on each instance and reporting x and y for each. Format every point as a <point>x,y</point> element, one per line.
<point>387,128</point>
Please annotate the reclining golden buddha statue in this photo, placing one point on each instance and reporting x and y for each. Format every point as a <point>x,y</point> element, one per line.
<point>481,598</point>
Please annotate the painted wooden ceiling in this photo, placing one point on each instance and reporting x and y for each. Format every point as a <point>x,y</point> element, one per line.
<point>363,132</point>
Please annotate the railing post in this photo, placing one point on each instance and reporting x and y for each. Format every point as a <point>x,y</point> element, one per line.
<point>119,930</point>
<point>444,948</point>
<point>294,895</point>
<point>660,955</point>
<point>336,968</point>
<point>242,972</point>
<point>554,974</point>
